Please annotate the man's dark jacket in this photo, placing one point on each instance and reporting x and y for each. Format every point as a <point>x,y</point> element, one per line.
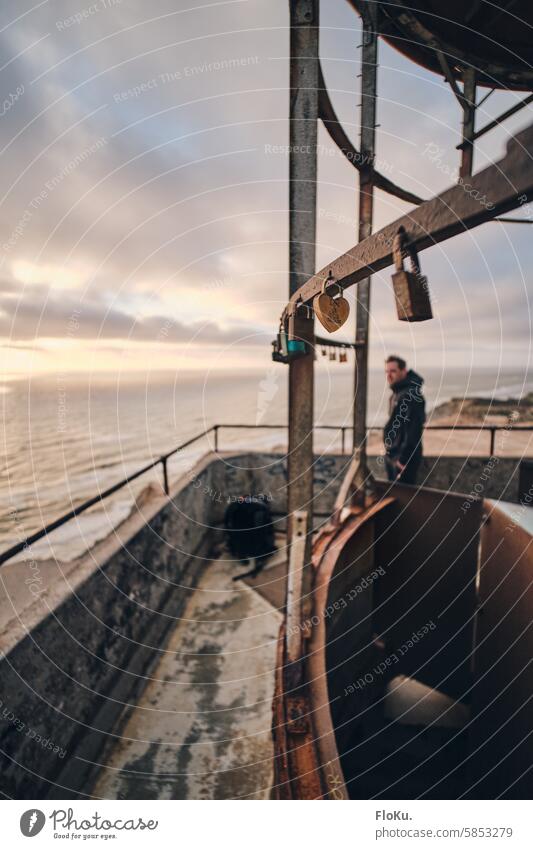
<point>402,435</point>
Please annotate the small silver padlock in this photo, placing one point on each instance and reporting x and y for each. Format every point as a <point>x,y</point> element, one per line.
<point>410,287</point>
<point>279,345</point>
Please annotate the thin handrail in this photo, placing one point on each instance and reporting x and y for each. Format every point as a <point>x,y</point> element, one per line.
<point>81,508</point>
<point>163,459</point>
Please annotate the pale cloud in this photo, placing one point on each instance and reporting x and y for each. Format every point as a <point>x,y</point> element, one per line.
<point>57,315</point>
<point>48,274</point>
<point>139,182</point>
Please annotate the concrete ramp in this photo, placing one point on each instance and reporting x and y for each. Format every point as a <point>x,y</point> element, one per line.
<point>202,727</point>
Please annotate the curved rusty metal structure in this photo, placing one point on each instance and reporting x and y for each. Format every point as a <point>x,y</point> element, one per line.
<point>397,693</point>
<point>307,757</point>
<point>493,39</point>
<point>383,610</point>
<point>338,135</point>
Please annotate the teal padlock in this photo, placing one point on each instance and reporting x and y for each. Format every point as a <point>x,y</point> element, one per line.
<point>296,347</point>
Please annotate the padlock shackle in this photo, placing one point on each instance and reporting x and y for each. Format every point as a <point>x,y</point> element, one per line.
<point>401,248</point>
<point>398,250</point>
<point>331,281</point>
<point>413,256</point>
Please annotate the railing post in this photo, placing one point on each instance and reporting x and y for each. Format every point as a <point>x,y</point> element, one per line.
<point>343,432</point>
<point>369,60</point>
<point>216,438</point>
<point>165,475</point>
<point>469,117</point>
<point>492,440</point>
<point>295,589</point>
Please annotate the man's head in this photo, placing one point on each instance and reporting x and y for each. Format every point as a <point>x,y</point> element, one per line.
<point>395,369</point>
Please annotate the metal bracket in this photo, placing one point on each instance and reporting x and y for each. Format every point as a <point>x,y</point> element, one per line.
<point>297,715</point>
<point>294,634</point>
<point>304,11</point>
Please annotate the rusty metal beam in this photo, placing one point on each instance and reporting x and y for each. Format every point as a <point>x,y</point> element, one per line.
<point>513,220</point>
<point>467,102</point>
<point>369,60</point>
<point>337,133</point>
<point>501,187</point>
<point>469,117</point>
<point>449,77</point>
<point>304,19</point>
<point>334,343</point>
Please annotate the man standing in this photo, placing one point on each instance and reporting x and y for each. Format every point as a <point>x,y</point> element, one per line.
<point>402,435</point>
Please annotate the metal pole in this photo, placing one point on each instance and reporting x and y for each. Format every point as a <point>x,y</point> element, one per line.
<point>304,72</point>
<point>165,475</point>
<point>469,117</point>
<point>366,204</point>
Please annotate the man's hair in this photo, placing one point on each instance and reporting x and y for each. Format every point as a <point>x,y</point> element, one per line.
<point>394,359</point>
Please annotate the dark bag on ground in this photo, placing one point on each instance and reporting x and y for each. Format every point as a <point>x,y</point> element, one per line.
<point>249,528</point>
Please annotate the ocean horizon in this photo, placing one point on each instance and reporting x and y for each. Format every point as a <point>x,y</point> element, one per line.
<point>66,438</point>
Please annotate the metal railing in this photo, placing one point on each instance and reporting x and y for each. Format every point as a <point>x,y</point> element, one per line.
<point>214,429</point>
<point>491,428</point>
<point>163,460</point>
<point>344,429</point>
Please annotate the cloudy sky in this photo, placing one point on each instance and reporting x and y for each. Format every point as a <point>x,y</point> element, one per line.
<point>144,211</point>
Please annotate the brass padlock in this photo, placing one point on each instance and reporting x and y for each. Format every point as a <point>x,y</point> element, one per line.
<point>410,287</point>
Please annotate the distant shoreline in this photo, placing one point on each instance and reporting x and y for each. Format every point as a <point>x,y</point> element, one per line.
<point>479,410</point>
<point>509,414</point>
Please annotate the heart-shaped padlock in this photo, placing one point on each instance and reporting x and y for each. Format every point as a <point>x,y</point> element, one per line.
<point>331,312</point>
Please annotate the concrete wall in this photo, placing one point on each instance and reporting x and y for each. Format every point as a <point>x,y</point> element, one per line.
<point>495,477</point>
<point>486,477</point>
<point>68,672</point>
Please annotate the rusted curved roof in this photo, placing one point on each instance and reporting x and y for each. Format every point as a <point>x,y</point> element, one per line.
<point>494,38</point>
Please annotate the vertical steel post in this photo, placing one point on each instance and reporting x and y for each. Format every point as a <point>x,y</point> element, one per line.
<point>366,206</point>
<point>165,475</point>
<point>304,21</point>
<point>469,117</point>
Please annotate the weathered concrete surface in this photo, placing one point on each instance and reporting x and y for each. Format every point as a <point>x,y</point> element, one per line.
<point>77,641</point>
<point>30,588</point>
<point>202,728</point>
<point>76,651</point>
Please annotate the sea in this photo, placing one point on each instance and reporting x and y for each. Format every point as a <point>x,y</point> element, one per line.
<point>68,438</point>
